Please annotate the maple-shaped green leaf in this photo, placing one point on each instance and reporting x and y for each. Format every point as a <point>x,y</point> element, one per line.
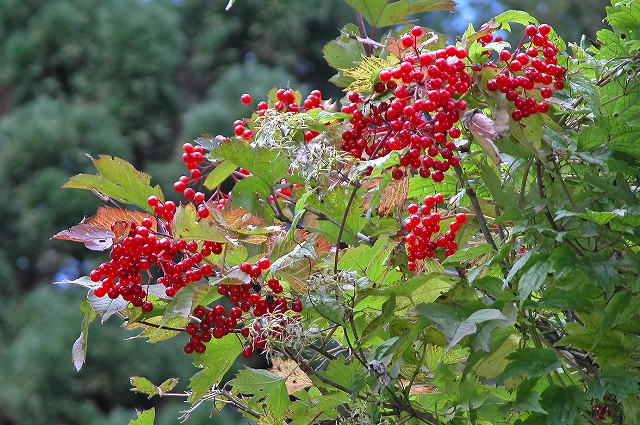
<point>384,13</point>
<point>146,417</point>
<point>563,403</point>
<point>264,386</point>
<point>187,225</point>
<point>145,386</point>
<point>531,362</point>
<point>527,397</point>
<point>371,261</point>
<point>119,180</point>
<point>342,53</point>
<point>268,164</point>
<point>215,362</point>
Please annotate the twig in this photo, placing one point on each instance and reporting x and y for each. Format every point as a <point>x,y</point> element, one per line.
<point>477,209</point>
<point>356,186</point>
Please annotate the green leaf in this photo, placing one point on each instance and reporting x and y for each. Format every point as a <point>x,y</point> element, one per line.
<point>617,381</point>
<point>267,164</point>
<point>247,194</point>
<point>467,253</point>
<point>532,279</point>
<point>380,321</point>
<point>563,403</point>
<point>144,386</point>
<point>119,180</point>
<point>215,362</point>
<point>424,288</point>
<point>146,417</point>
<point>266,387</point>
<point>79,349</point>
<point>398,12</point>
<point>527,397</point>
<point>531,362</point>
<point>516,16</point>
<point>342,53</point>
<point>187,225</point>
<point>219,174</point>
<point>444,316</point>
<point>612,311</point>
<point>383,13</point>
<point>469,325</point>
<point>371,261</point>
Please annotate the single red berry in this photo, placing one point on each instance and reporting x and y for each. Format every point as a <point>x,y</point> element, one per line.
<point>199,311</point>
<point>147,306</point>
<point>246,99</point>
<point>296,305</point>
<point>247,352</point>
<point>245,267</point>
<point>544,29</point>
<point>531,30</point>
<point>397,174</point>
<point>264,263</point>
<point>153,201</point>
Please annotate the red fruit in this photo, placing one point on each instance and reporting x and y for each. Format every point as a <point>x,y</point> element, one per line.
<point>461,218</point>
<point>246,99</point>
<point>199,311</point>
<point>505,55</point>
<point>544,29</point>
<point>192,328</point>
<point>296,305</point>
<point>147,306</point>
<point>245,267</point>
<point>407,40</point>
<point>264,263</point>
<point>397,174</point>
<point>247,352</point>
<point>531,30</point>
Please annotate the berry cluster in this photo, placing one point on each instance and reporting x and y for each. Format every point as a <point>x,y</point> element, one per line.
<point>251,301</point>
<point>425,235</point>
<point>180,263</point>
<point>530,74</point>
<point>419,116</point>
<point>193,156</point>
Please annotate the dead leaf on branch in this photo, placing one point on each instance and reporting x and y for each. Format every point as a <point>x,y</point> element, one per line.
<point>393,195</point>
<point>296,379</point>
<point>107,227</point>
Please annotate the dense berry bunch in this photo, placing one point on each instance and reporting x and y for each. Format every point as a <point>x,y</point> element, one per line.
<point>251,302</point>
<point>179,263</point>
<point>530,74</point>
<point>418,117</point>
<point>425,233</point>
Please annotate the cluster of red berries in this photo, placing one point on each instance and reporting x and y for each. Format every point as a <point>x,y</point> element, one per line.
<point>420,115</point>
<point>425,235</point>
<point>179,261</point>
<point>250,301</point>
<point>600,412</point>
<point>165,210</point>
<point>530,74</point>
<point>193,157</point>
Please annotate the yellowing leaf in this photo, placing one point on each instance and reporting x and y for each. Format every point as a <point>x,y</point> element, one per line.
<point>366,71</point>
<point>296,379</point>
<point>393,195</point>
<point>119,180</point>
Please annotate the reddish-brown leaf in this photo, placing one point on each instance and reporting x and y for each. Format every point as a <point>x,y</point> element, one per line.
<point>103,229</point>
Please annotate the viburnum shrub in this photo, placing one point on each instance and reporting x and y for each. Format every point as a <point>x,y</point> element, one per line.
<point>453,241</point>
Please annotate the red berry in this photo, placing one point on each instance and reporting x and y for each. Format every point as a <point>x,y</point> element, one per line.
<point>264,263</point>
<point>544,29</point>
<point>246,99</point>
<point>296,305</point>
<point>531,30</point>
<point>147,306</point>
<point>247,352</point>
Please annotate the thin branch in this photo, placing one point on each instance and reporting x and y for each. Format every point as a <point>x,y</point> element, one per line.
<point>356,186</point>
<point>476,208</point>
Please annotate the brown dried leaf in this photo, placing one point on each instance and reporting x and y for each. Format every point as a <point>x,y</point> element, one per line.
<point>109,225</point>
<point>240,225</point>
<point>393,195</point>
<point>296,379</point>
<point>418,389</point>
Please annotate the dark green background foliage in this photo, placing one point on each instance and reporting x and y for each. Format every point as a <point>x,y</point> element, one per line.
<point>135,79</point>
